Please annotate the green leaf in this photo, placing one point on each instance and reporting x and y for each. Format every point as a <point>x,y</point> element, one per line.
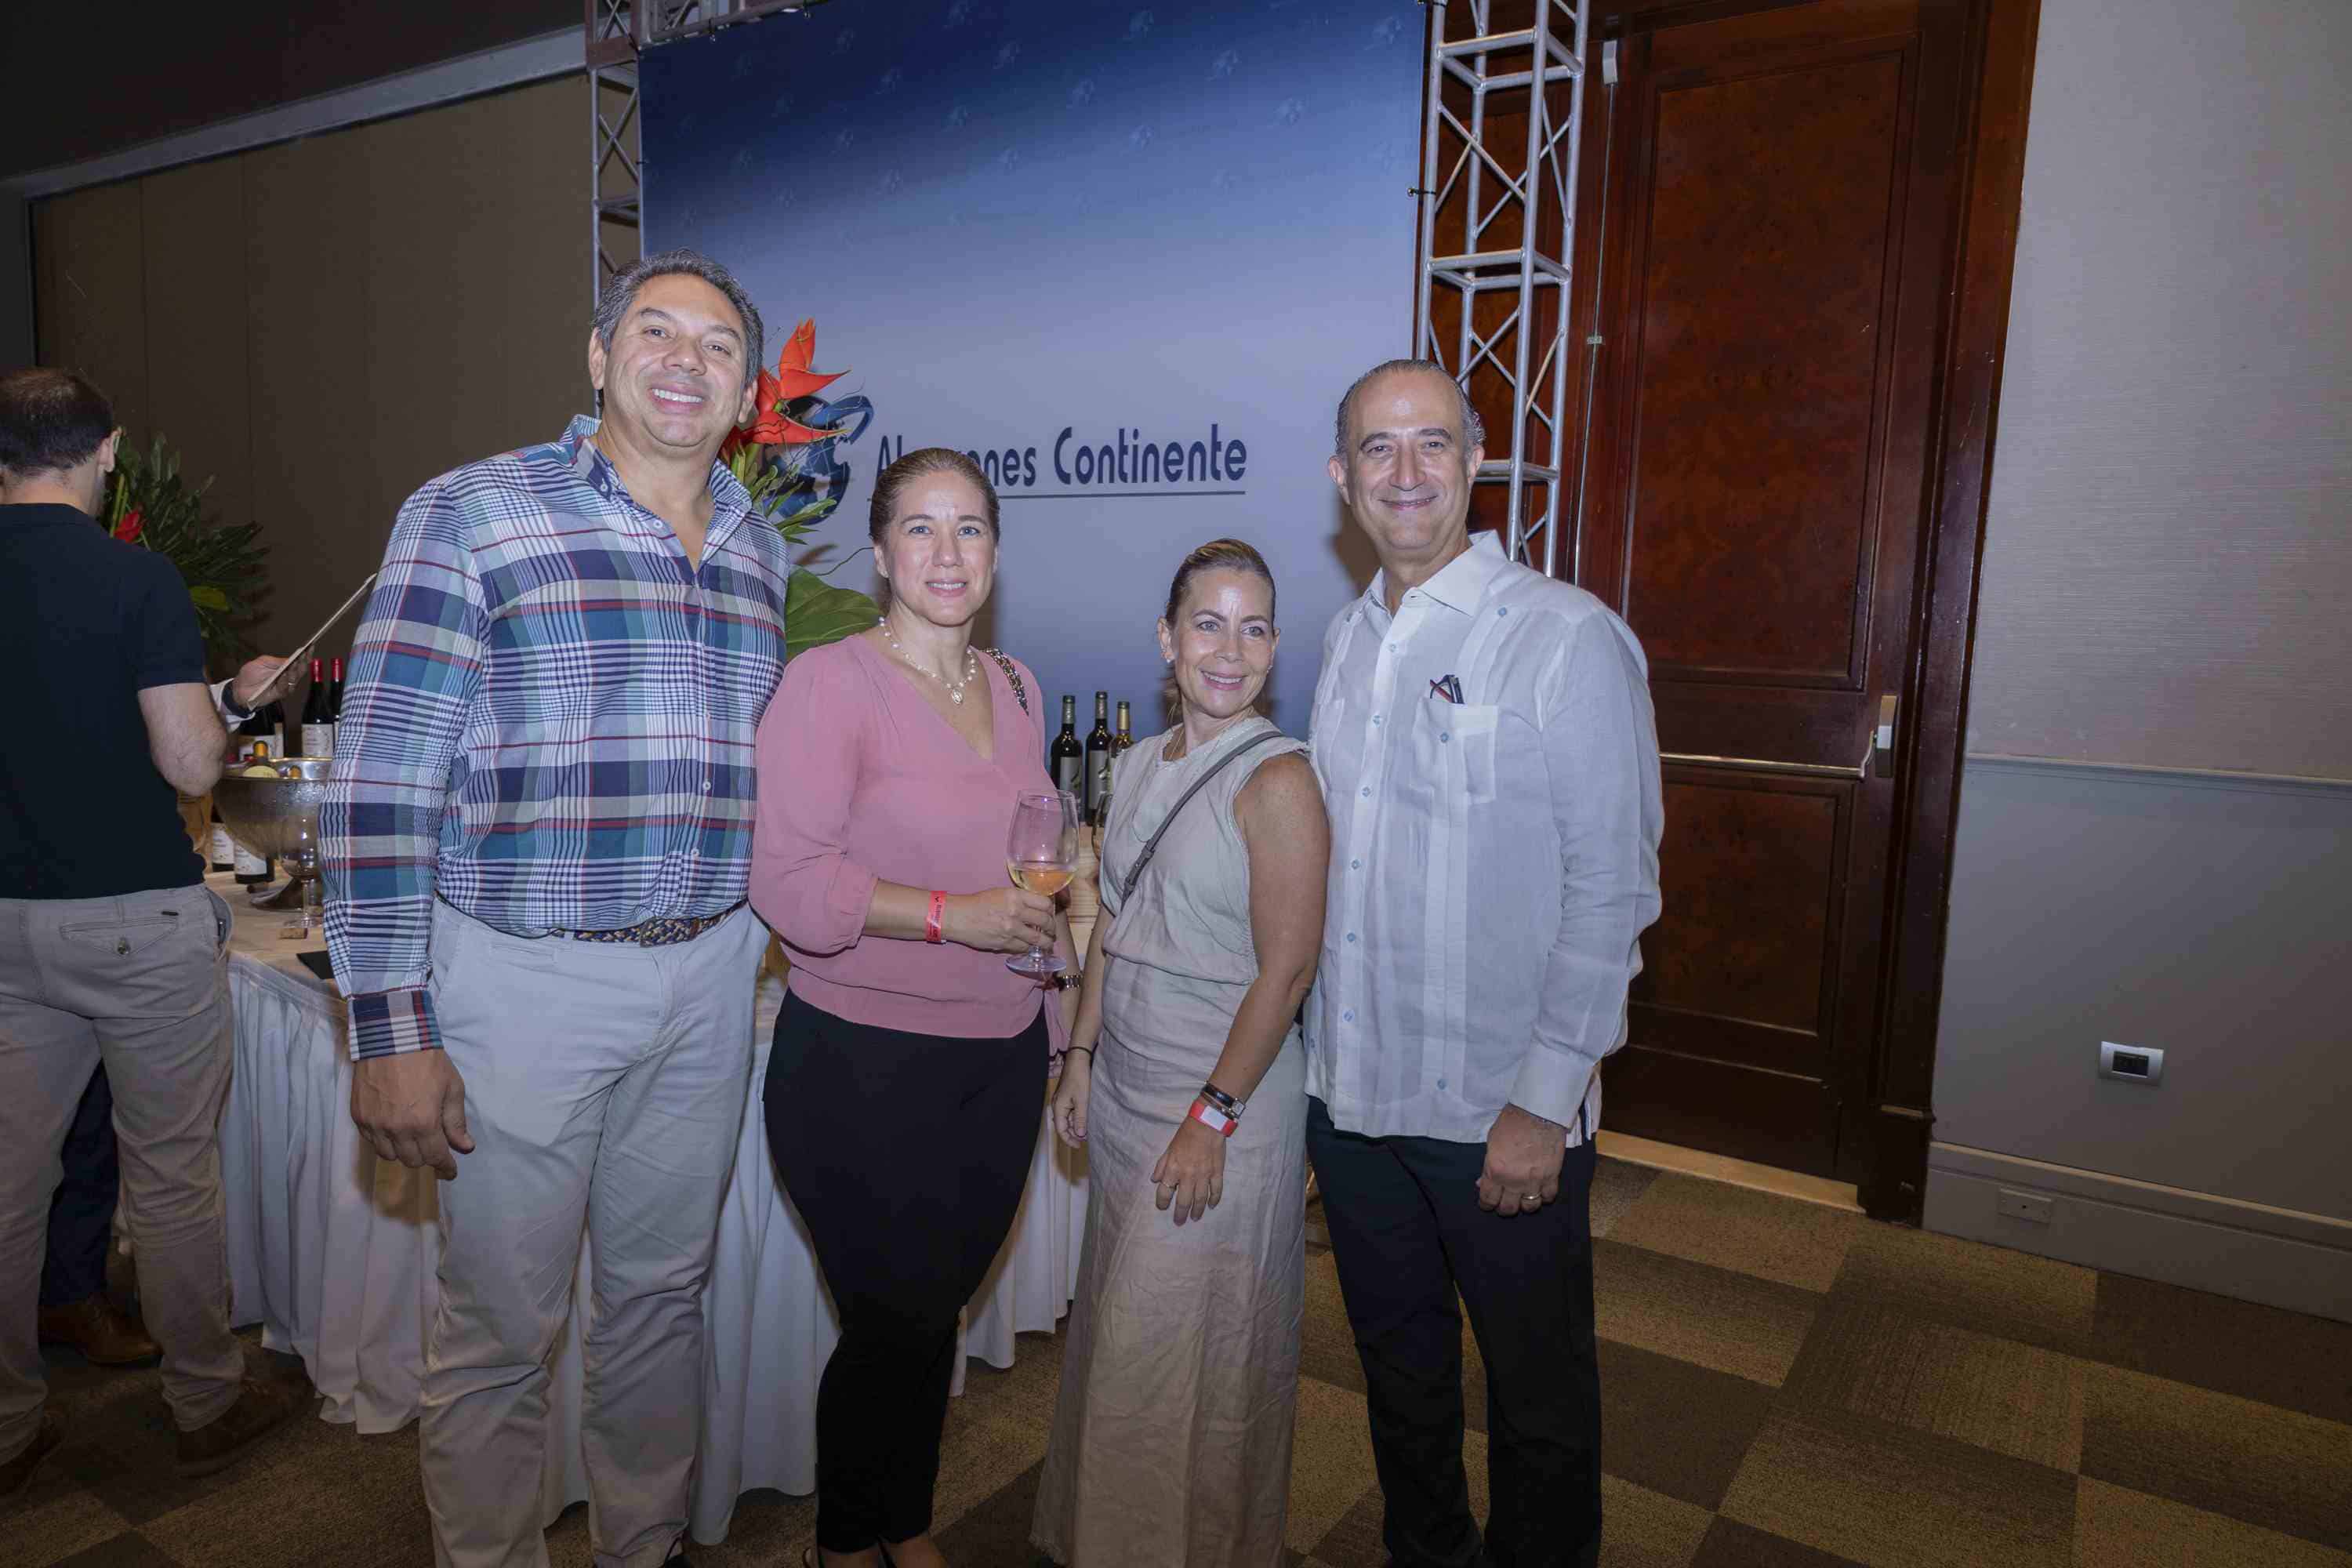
<point>209,597</point>
<point>817,613</point>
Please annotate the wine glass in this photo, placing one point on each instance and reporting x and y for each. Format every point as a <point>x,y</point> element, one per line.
<point>1042,852</point>
<point>302,862</point>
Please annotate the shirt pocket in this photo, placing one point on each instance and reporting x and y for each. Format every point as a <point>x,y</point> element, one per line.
<point>1453,746</point>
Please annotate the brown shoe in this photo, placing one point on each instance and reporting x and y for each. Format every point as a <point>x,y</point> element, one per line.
<point>15,1472</point>
<point>104,1333</point>
<point>216,1445</point>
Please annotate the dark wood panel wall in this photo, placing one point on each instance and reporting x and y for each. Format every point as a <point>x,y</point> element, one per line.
<point>323,325</point>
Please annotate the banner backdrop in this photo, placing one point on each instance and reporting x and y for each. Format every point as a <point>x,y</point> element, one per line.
<point>1129,257</point>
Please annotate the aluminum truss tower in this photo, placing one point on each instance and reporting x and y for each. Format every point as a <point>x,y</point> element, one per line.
<point>616,171</point>
<point>617,31</point>
<point>1498,224</point>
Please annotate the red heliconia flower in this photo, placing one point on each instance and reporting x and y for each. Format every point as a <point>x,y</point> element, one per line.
<point>772,429</point>
<point>793,378</point>
<point>132,526</point>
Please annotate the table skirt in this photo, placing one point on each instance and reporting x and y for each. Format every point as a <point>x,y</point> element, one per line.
<point>336,1254</point>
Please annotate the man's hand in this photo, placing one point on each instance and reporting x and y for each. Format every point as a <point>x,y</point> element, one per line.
<point>1523,1158</point>
<point>259,679</point>
<point>412,1108</point>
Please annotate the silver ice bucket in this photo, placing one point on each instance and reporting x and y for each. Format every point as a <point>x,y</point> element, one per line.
<point>262,812</point>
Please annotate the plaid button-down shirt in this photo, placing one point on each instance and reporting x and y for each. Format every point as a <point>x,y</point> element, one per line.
<point>549,722</point>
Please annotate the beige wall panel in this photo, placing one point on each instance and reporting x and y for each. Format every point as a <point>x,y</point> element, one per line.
<point>93,309</point>
<point>479,293</point>
<point>2169,545</point>
<point>310,271</point>
<point>198,367</point>
<point>324,325</point>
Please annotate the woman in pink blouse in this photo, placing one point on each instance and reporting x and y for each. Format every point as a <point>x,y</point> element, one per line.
<point>909,1070</point>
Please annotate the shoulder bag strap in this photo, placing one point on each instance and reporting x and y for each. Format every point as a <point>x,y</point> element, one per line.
<point>1135,872</point>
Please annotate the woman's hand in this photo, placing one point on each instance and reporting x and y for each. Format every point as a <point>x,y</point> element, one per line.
<point>1001,920</point>
<point>1070,1097</point>
<point>1191,1174</point>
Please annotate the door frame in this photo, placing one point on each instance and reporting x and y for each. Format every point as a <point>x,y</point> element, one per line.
<point>1898,1116</point>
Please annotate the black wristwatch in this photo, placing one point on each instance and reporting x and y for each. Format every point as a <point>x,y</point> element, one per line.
<point>235,712</point>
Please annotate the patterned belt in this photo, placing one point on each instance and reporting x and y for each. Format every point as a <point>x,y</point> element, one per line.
<point>667,932</point>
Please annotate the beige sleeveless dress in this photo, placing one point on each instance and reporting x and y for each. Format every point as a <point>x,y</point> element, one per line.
<point>1172,1439</point>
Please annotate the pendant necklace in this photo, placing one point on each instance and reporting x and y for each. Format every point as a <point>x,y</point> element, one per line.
<point>955,688</point>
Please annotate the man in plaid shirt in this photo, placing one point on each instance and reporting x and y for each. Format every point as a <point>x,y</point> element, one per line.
<point>537,848</point>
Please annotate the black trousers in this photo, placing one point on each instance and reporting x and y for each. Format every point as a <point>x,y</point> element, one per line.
<point>81,1212</point>
<point>906,1155</point>
<point>1407,1234</point>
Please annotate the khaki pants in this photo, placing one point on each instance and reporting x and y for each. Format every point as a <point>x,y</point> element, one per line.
<point>141,984</point>
<point>604,1087</point>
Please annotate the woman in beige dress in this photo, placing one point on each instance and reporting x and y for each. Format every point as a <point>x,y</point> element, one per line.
<point>1186,1084</point>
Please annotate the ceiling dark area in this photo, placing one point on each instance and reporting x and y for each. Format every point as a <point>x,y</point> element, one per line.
<point>86,78</point>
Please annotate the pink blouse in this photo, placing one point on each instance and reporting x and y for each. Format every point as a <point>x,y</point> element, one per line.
<point>862,781</point>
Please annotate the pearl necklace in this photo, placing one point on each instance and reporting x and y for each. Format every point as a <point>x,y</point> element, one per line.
<point>955,688</point>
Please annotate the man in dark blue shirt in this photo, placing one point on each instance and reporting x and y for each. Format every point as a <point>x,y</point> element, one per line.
<point>111,948</point>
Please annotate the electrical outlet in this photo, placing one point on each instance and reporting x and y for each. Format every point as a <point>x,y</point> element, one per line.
<point>2032,1207</point>
<point>2142,1065</point>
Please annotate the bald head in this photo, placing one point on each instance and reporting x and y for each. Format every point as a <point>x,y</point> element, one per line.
<point>1468,429</point>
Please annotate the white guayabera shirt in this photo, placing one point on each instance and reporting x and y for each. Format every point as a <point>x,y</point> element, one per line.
<point>1494,858</point>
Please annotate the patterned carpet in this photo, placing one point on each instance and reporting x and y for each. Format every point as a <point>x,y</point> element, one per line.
<point>1786,1386</point>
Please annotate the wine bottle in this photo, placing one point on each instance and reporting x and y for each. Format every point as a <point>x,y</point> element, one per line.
<point>254,731</point>
<point>1121,739</point>
<point>335,695</point>
<point>318,718</point>
<point>1099,755</point>
<point>1064,758</point>
<point>222,855</point>
<point>252,868</point>
<point>274,726</point>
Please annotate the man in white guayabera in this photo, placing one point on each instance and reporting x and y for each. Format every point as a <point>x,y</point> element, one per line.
<point>538,846</point>
<point>1483,738</point>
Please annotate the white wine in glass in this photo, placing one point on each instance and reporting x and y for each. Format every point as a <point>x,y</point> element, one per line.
<point>1046,880</point>
<point>1041,852</point>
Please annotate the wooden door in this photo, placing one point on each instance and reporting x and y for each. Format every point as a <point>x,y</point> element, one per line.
<point>1775,257</point>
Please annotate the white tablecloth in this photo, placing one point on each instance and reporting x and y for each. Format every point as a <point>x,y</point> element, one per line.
<point>336,1254</point>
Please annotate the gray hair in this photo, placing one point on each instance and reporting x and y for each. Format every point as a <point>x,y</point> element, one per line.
<point>621,290</point>
<point>1474,430</point>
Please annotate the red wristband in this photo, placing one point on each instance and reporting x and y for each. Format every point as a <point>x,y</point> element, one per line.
<point>932,921</point>
<point>1214,1120</point>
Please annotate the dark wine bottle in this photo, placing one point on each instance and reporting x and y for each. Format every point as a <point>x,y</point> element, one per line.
<point>335,702</point>
<point>1065,758</point>
<point>318,718</point>
<point>253,869</point>
<point>1099,755</point>
<point>255,729</point>
<point>221,853</point>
